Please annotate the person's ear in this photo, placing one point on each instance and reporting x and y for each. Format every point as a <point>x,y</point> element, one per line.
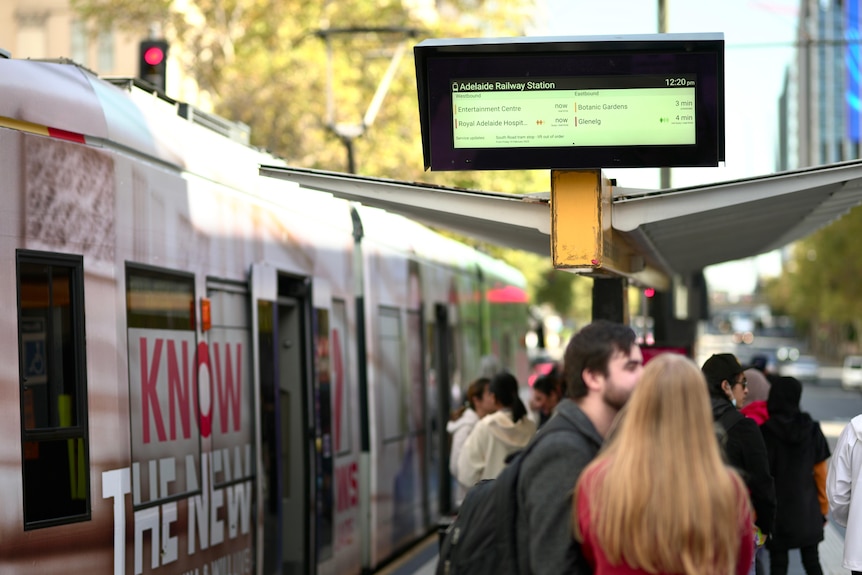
<point>591,379</point>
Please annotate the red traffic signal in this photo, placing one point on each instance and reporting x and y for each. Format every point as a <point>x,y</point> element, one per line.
<point>152,62</point>
<point>154,55</point>
<point>649,292</point>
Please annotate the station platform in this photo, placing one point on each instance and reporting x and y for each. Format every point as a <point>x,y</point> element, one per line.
<point>831,553</point>
<point>422,559</point>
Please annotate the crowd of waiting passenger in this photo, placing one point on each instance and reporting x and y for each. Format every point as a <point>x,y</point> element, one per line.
<point>664,468</point>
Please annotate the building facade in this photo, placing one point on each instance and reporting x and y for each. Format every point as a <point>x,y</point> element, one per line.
<point>821,108</point>
<point>48,29</point>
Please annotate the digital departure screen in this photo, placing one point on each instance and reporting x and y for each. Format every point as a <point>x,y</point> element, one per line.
<point>589,102</point>
<point>589,111</point>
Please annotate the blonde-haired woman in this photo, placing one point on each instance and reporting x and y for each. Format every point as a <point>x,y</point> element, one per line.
<point>659,499</point>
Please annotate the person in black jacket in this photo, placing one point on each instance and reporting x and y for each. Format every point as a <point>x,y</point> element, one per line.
<point>797,458</point>
<point>743,442</point>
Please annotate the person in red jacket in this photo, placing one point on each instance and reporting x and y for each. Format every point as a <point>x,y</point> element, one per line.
<point>754,405</point>
<point>659,498</point>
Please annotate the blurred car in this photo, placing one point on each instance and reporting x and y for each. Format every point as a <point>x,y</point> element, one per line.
<point>851,373</point>
<point>764,359</point>
<point>805,368</point>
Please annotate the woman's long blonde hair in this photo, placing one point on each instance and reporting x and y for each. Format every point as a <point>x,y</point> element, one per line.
<point>661,497</point>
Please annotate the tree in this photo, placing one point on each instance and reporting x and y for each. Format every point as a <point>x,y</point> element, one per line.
<point>818,286</point>
<point>265,62</point>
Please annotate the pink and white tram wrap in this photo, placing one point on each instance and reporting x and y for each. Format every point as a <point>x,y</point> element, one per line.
<point>209,371</point>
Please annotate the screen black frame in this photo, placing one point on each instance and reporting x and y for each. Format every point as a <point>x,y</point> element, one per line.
<point>440,61</point>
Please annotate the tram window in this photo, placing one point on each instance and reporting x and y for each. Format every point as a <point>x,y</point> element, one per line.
<point>54,439</point>
<point>414,365</point>
<point>391,379</point>
<point>159,300</point>
<point>343,432</point>
<point>160,315</point>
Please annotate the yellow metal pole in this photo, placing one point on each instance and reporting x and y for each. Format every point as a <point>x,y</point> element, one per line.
<point>576,219</point>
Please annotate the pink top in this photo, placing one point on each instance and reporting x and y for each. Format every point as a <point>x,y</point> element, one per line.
<point>756,410</point>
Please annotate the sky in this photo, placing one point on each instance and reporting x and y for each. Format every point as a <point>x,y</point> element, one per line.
<point>759,37</point>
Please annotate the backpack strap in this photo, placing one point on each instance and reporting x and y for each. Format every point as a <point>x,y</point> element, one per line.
<point>506,495</point>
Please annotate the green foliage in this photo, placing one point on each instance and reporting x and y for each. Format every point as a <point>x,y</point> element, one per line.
<point>555,288</point>
<point>818,286</point>
<point>267,63</point>
<point>131,15</point>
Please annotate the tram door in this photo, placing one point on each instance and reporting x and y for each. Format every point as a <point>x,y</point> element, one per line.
<point>293,456</point>
<point>283,336</point>
<point>442,361</point>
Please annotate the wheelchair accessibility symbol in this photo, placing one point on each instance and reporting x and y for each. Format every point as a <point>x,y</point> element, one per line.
<point>35,360</point>
<point>34,352</point>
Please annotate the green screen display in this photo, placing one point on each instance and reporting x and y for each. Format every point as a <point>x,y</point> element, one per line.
<point>626,101</point>
<point>586,111</point>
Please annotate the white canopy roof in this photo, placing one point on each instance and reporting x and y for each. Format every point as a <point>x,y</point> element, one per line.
<point>679,230</point>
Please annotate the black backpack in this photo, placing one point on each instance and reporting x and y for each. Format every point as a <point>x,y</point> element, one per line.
<point>482,539</point>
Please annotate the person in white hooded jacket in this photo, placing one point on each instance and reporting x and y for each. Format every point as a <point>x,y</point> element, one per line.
<point>479,403</point>
<point>844,493</point>
<point>496,436</point>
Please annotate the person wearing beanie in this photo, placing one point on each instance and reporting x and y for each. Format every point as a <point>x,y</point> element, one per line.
<point>754,407</point>
<point>743,443</point>
<point>754,404</point>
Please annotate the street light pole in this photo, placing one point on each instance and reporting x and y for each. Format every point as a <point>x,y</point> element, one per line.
<point>664,173</point>
<point>347,133</point>
<point>662,16</point>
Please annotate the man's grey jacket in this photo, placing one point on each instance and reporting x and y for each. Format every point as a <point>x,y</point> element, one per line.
<point>546,484</point>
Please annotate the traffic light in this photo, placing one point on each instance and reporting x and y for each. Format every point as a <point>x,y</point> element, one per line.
<point>152,62</point>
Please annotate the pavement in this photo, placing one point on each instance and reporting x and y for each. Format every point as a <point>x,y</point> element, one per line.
<point>422,560</point>
<point>831,553</point>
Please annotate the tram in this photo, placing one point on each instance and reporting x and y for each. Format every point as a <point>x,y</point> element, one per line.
<point>207,371</point>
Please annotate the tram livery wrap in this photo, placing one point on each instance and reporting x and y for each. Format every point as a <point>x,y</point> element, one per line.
<point>208,371</point>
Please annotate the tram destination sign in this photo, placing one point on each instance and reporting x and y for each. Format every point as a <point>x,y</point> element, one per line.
<point>572,103</point>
